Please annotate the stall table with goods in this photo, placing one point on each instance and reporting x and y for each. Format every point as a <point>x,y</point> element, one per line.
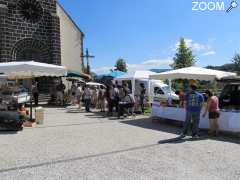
<point>11,98</point>
<point>229,119</point>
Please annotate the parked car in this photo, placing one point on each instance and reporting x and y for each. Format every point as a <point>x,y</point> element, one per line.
<point>230,96</point>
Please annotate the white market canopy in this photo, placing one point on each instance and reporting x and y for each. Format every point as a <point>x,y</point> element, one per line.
<point>194,73</point>
<point>136,75</point>
<point>31,69</point>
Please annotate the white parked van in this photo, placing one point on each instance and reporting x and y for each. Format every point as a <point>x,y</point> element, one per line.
<point>156,90</point>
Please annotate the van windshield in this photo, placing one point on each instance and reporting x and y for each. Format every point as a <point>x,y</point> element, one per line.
<point>167,89</point>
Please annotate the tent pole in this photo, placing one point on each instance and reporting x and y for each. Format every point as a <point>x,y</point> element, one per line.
<point>170,86</point>
<point>31,105</point>
<point>150,96</point>
<point>133,86</point>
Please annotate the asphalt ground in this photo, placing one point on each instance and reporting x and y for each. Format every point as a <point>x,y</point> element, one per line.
<point>73,145</point>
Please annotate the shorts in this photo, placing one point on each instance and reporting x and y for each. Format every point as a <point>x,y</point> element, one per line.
<point>214,115</point>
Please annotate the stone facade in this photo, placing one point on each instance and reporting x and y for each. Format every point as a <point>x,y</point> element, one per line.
<point>29,30</point>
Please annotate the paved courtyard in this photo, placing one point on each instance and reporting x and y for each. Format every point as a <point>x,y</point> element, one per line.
<point>74,145</point>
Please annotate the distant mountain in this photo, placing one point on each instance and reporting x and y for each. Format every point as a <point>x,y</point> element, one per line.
<point>225,67</point>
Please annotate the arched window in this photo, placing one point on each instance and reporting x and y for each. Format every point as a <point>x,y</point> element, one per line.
<point>31,10</point>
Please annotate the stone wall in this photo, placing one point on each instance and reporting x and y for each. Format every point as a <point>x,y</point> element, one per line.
<point>17,33</point>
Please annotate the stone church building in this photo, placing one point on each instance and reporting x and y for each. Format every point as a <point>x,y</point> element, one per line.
<point>39,30</point>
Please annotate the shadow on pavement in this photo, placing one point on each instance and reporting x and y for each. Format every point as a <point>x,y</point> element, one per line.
<point>7,132</point>
<point>178,140</point>
<point>170,128</point>
<point>147,124</point>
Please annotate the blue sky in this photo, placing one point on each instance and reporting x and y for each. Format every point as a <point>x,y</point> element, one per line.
<point>146,32</point>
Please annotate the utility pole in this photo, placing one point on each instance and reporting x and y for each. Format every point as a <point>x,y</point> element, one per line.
<point>88,57</point>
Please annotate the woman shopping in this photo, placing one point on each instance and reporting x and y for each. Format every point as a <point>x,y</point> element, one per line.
<point>213,111</point>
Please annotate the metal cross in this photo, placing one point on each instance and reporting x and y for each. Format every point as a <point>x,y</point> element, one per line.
<point>88,57</point>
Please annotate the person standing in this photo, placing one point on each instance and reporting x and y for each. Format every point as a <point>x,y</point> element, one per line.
<point>35,93</point>
<point>142,96</point>
<point>79,94</point>
<point>213,112</point>
<point>87,98</point>
<point>102,98</point>
<point>109,101</point>
<point>60,93</point>
<point>126,105</point>
<point>122,92</point>
<point>73,93</point>
<point>116,98</point>
<point>94,97</point>
<point>193,105</point>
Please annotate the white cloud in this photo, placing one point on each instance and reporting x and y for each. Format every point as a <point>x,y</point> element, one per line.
<point>209,53</point>
<point>146,65</point>
<point>201,49</point>
<point>102,70</point>
<point>194,45</point>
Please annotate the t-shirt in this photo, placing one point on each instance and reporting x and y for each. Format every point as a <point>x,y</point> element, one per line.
<point>87,93</point>
<point>121,93</point>
<point>194,101</point>
<point>116,93</point>
<point>213,104</point>
<point>102,94</point>
<point>79,91</point>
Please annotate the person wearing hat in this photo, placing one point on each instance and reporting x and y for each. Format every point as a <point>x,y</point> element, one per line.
<point>193,105</point>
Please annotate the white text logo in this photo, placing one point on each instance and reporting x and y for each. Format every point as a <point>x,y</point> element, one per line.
<point>208,6</point>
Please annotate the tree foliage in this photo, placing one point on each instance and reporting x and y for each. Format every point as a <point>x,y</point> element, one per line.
<point>236,61</point>
<point>121,65</point>
<point>184,56</point>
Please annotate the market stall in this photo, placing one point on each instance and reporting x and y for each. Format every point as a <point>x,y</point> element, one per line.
<point>30,70</point>
<point>229,119</point>
<point>134,76</point>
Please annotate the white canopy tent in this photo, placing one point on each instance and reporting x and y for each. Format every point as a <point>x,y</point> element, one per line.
<point>29,70</point>
<point>228,121</point>
<point>137,75</point>
<point>194,73</point>
<point>95,84</point>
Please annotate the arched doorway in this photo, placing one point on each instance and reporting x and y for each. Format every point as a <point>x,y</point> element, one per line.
<point>31,50</point>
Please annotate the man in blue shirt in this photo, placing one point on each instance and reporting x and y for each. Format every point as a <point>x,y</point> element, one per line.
<point>193,105</point>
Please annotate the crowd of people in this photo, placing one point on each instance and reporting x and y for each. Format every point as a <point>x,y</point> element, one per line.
<point>118,99</point>
<point>113,99</point>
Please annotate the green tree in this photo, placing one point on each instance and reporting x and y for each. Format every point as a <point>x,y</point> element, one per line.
<point>121,65</point>
<point>184,56</point>
<point>236,61</point>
